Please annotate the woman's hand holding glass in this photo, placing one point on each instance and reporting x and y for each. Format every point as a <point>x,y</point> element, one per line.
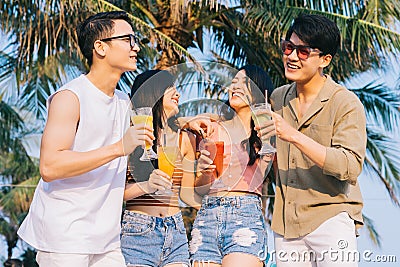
<point>204,169</point>
<point>158,181</point>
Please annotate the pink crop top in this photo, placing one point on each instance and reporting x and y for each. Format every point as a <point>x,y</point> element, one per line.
<point>236,174</point>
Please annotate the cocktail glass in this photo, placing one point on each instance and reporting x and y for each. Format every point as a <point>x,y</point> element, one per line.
<point>144,115</point>
<point>216,150</point>
<point>167,156</point>
<point>261,113</point>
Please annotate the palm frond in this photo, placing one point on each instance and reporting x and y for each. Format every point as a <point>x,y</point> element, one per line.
<point>381,106</point>
<point>42,28</point>
<point>8,229</point>
<point>18,199</point>
<point>46,28</point>
<point>146,29</point>
<point>214,4</point>
<point>11,124</point>
<point>364,42</point>
<point>382,159</point>
<point>8,87</point>
<point>17,165</point>
<point>373,232</point>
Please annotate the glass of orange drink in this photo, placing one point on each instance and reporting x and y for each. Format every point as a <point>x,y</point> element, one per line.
<point>167,156</point>
<point>144,115</point>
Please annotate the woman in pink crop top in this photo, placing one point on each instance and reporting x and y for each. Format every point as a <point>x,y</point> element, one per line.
<point>153,233</point>
<point>230,229</point>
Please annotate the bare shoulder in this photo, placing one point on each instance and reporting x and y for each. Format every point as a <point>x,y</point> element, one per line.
<point>188,138</point>
<point>64,97</point>
<point>188,142</point>
<point>63,111</point>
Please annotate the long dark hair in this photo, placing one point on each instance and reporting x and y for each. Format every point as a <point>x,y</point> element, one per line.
<point>258,82</point>
<point>148,91</point>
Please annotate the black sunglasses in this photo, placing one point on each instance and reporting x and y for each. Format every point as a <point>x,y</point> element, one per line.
<point>303,51</point>
<point>132,39</point>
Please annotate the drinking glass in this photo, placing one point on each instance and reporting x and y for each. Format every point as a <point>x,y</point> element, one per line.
<point>261,113</point>
<point>167,156</point>
<point>216,150</point>
<point>144,115</point>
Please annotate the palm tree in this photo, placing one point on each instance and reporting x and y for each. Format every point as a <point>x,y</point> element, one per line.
<point>17,168</point>
<point>43,48</point>
<point>43,41</point>
<point>245,31</point>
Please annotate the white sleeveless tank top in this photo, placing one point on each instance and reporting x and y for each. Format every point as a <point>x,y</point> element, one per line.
<point>82,214</point>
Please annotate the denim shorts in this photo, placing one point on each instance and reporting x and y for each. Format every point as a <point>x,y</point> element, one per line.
<point>153,241</point>
<point>226,225</point>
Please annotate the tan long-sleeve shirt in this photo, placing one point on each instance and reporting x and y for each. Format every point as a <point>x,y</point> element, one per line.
<point>307,195</point>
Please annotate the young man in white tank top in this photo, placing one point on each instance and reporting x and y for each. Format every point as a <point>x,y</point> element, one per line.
<point>74,218</point>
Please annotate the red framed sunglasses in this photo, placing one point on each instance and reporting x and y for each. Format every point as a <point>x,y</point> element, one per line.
<point>303,51</point>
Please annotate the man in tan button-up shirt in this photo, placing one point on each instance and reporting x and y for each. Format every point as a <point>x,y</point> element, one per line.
<point>321,143</point>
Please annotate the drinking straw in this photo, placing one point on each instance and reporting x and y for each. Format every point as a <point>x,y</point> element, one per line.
<point>177,141</point>
<point>266,98</point>
<point>201,133</point>
<point>165,139</point>
<point>248,99</point>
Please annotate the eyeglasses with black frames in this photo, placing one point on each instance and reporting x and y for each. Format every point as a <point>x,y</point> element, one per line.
<point>132,39</point>
<point>303,51</point>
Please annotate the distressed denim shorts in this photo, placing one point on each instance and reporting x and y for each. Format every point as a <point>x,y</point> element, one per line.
<point>226,225</point>
<point>153,241</point>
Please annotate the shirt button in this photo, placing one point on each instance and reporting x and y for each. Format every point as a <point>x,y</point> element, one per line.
<point>293,160</point>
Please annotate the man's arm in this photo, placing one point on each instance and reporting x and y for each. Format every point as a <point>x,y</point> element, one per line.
<point>348,142</point>
<point>58,161</point>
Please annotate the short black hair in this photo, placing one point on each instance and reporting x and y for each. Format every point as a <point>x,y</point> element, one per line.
<point>97,27</point>
<point>317,31</point>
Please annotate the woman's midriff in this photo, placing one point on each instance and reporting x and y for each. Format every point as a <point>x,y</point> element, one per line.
<point>231,193</point>
<point>155,211</point>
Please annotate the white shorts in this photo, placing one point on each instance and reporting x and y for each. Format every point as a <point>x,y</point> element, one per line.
<point>50,259</point>
<point>332,244</point>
